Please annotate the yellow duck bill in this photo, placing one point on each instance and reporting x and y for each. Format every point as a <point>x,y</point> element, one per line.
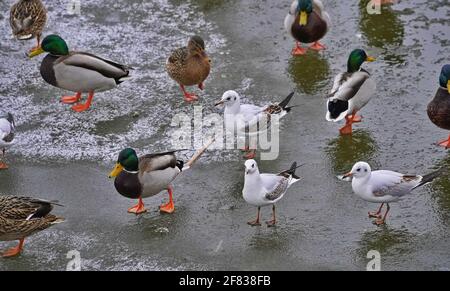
<point>370,59</point>
<point>303,18</point>
<point>36,52</point>
<point>117,169</point>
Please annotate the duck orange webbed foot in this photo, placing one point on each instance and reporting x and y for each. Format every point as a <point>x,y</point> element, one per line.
<point>3,166</point>
<point>188,97</point>
<point>168,208</point>
<point>81,107</point>
<point>445,143</point>
<point>347,128</point>
<point>298,51</point>
<point>14,251</point>
<point>71,99</point>
<point>317,46</point>
<point>375,215</point>
<point>138,208</point>
<point>251,154</point>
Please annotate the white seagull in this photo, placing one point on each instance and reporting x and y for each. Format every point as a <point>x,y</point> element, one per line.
<point>384,186</point>
<point>266,189</point>
<point>249,119</point>
<point>7,131</point>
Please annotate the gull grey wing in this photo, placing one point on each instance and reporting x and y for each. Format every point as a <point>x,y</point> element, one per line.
<point>387,183</point>
<point>88,61</point>
<point>280,188</point>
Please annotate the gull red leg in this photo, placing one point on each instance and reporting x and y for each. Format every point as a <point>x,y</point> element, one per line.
<point>298,50</point>
<point>272,222</point>
<point>84,106</point>
<point>14,251</point>
<point>255,222</point>
<point>138,208</point>
<point>3,165</point>
<point>188,97</point>
<point>381,221</point>
<point>170,206</point>
<point>71,99</point>
<point>376,214</point>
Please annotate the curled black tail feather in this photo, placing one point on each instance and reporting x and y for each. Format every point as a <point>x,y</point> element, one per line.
<point>291,171</point>
<point>430,177</point>
<point>283,104</point>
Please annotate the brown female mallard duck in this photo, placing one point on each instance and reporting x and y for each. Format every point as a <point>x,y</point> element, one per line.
<point>307,22</point>
<point>21,217</point>
<point>439,108</point>
<point>189,66</point>
<point>27,19</point>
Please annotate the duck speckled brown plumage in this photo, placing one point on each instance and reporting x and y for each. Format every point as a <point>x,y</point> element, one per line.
<point>439,108</point>
<point>21,217</point>
<point>189,66</point>
<point>27,19</point>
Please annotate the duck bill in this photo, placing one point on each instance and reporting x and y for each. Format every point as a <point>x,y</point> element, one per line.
<point>117,169</point>
<point>219,103</point>
<point>303,18</point>
<point>35,52</point>
<point>448,86</point>
<point>370,59</point>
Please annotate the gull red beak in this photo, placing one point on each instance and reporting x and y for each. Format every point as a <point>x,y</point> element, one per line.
<point>348,175</point>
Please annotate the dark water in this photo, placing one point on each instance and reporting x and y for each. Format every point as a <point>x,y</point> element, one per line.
<point>322,225</point>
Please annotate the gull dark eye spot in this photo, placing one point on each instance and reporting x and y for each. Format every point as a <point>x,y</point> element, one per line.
<point>253,165</point>
<point>365,170</point>
<point>359,170</point>
<point>228,99</point>
<point>234,98</point>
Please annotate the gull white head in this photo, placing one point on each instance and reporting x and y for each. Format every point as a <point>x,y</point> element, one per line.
<point>251,167</point>
<point>359,170</point>
<point>229,98</point>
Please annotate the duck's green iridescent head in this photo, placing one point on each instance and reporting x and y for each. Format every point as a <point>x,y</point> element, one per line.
<point>356,59</point>
<point>127,160</point>
<point>304,8</point>
<point>53,44</point>
<point>444,78</point>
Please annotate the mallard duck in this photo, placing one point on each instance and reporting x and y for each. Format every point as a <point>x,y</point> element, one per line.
<point>251,120</point>
<point>266,189</point>
<point>189,66</point>
<point>307,22</point>
<point>7,132</point>
<point>21,217</point>
<point>138,178</point>
<point>439,108</point>
<point>351,91</point>
<point>77,71</point>
<point>27,19</point>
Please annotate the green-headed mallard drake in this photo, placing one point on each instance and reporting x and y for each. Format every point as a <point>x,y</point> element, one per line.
<point>143,177</point>
<point>439,108</point>
<point>307,22</point>
<point>77,71</point>
<point>27,19</point>
<point>189,66</point>
<point>21,217</point>
<point>7,133</point>
<point>351,91</point>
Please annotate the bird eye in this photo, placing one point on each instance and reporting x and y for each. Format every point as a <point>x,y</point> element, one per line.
<point>228,98</point>
<point>253,165</point>
<point>234,98</point>
<point>359,170</point>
